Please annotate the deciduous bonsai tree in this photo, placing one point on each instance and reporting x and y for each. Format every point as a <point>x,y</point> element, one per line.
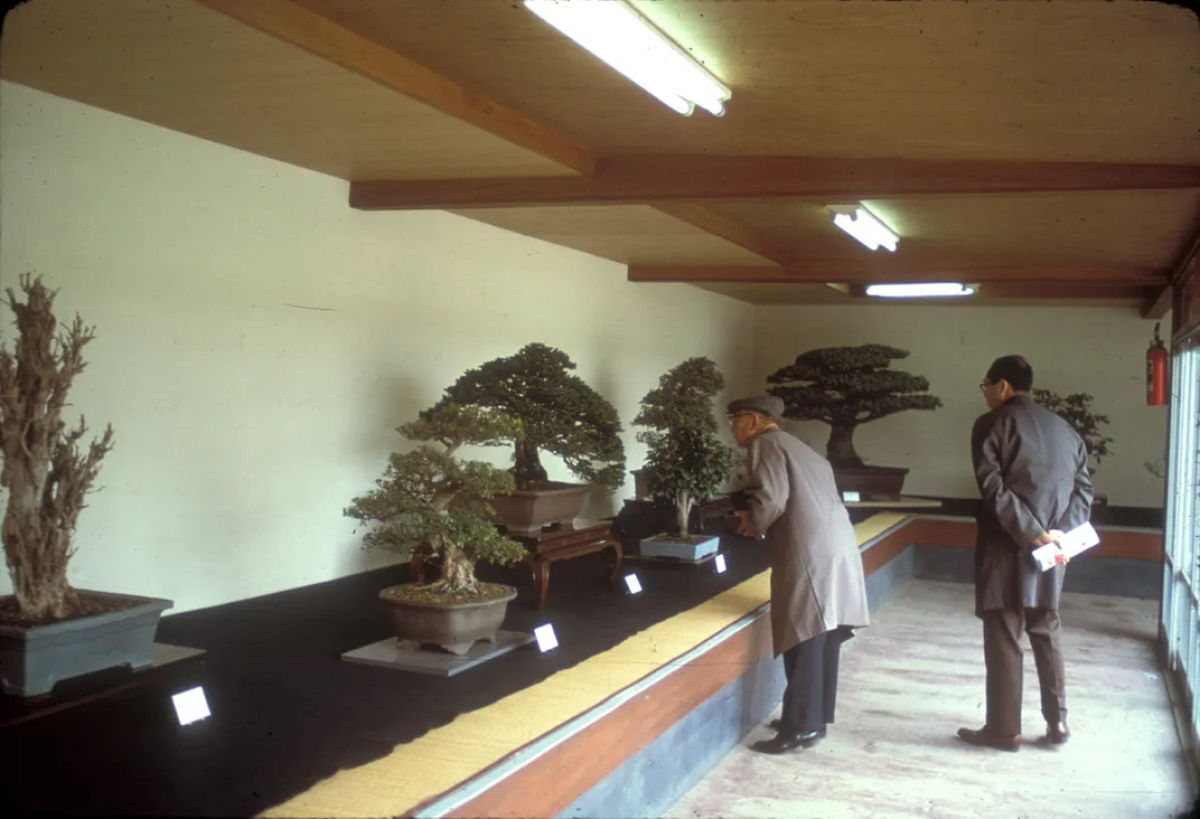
<point>46,472</point>
<point>1076,410</point>
<point>845,387</point>
<point>433,502</point>
<point>686,462</point>
<point>557,411</point>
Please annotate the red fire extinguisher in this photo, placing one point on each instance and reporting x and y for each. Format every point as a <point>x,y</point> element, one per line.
<point>1156,372</point>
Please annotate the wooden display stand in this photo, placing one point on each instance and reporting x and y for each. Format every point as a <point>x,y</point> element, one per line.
<point>563,542</point>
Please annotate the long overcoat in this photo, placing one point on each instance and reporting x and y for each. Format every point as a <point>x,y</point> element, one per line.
<point>1032,472</point>
<point>816,571</point>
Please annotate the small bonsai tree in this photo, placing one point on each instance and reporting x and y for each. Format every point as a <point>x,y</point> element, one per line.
<point>435,503</point>
<point>1076,410</point>
<point>45,471</point>
<point>845,387</point>
<point>686,461</point>
<point>557,412</point>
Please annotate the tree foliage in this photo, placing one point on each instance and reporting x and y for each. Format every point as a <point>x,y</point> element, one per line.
<point>1076,410</point>
<point>435,503</point>
<point>686,461</point>
<point>848,386</point>
<point>558,413</point>
<point>45,471</point>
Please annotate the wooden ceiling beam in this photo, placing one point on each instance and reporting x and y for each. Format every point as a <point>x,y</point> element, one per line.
<point>294,24</point>
<point>1160,302</point>
<point>732,230</point>
<point>823,271</point>
<point>655,179</point>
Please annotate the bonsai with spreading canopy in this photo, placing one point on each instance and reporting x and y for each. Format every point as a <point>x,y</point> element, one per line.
<point>557,411</point>
<point>1076,410</point>
<point>686,462</point>
<point>845,387</point>
<point>45,471</point>
<point>432,502</point>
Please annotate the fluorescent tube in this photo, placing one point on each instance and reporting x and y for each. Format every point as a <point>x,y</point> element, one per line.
<point>613,31</point>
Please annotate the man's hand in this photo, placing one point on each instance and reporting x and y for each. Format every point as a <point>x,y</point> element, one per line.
<point>1053,537</point>
<point>743,524</point>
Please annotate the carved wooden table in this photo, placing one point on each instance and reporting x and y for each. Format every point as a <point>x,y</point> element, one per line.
<point>563,542</point>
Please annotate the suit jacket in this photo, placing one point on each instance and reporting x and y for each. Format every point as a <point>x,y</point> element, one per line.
<point>1031,468</point>
<point>816,571</point>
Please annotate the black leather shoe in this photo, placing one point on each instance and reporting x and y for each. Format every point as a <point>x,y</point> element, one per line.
<point>986,739</point>
<point>777,725</point>
<point>1057,732</point>
<point>788,741</point>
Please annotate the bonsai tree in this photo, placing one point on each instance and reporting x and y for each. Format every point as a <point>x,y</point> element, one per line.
<point>557,412</point>
<point>845,387</point>
<point>46,472</point>
<point>686,462</point>
<point>433,502</point>
<point>1076,410</point>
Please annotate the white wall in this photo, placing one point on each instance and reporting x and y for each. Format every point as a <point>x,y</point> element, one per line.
<point>258,341</point>
<point>1097,350</point>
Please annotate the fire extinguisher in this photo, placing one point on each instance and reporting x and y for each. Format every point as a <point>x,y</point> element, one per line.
<point>1156,372</point>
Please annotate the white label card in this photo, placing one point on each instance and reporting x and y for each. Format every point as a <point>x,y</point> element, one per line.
<point>545,637</point>
<point>191,705</point>
<point>719,562</point>
<point>632,583</point>
<point>851,497</point>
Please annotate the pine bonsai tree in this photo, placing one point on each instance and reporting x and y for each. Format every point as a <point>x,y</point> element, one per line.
<point>557,411</point>
<point>845,387</point>
<point>1076,410</point>
<point>433,502</point>
<point>45,472</point>
<point>686,461</point>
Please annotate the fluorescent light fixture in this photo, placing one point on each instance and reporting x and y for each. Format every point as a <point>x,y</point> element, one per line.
<point>864,226</point>
<point>627,41</point>
<point>920,290</point>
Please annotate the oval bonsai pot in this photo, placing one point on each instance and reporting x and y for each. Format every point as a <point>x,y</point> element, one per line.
<point>453,626</point>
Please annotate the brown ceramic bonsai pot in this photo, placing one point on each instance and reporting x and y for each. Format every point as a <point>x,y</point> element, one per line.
<point>872,482</point>
<point>528,511</point>
<point>455,626</point>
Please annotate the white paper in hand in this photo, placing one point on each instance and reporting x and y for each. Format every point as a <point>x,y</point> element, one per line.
<point>1074,542</point>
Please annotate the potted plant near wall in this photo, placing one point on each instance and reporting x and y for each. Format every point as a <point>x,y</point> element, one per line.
<point>1076,409</point>
<point>50,630</point>
<point>557,413</point>
<point>435,504</point>
<point>846,387</point>
<point>686,462</point>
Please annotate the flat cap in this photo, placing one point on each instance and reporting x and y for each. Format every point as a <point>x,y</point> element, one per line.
<point>767,405</point>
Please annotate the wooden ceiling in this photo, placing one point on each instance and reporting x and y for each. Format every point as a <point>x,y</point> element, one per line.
<point>1047,151</point>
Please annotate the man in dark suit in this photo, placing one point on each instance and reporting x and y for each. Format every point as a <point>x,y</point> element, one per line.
<point>1031,468</point>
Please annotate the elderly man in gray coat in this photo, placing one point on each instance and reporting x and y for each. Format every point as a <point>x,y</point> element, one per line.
<point>1031,468</point>
<point>817,588</point>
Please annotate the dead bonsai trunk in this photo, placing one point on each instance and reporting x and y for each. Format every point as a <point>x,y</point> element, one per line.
<point>840,449</point>
<point>44,472</point>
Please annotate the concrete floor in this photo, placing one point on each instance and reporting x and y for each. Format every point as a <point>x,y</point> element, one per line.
<point>916,676</point>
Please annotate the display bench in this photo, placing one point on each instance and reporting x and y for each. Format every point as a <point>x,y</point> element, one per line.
<point>559,542</point>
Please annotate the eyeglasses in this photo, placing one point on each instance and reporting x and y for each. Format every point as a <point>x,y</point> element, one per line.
<point>737,415</point>
<point>983,385</point>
